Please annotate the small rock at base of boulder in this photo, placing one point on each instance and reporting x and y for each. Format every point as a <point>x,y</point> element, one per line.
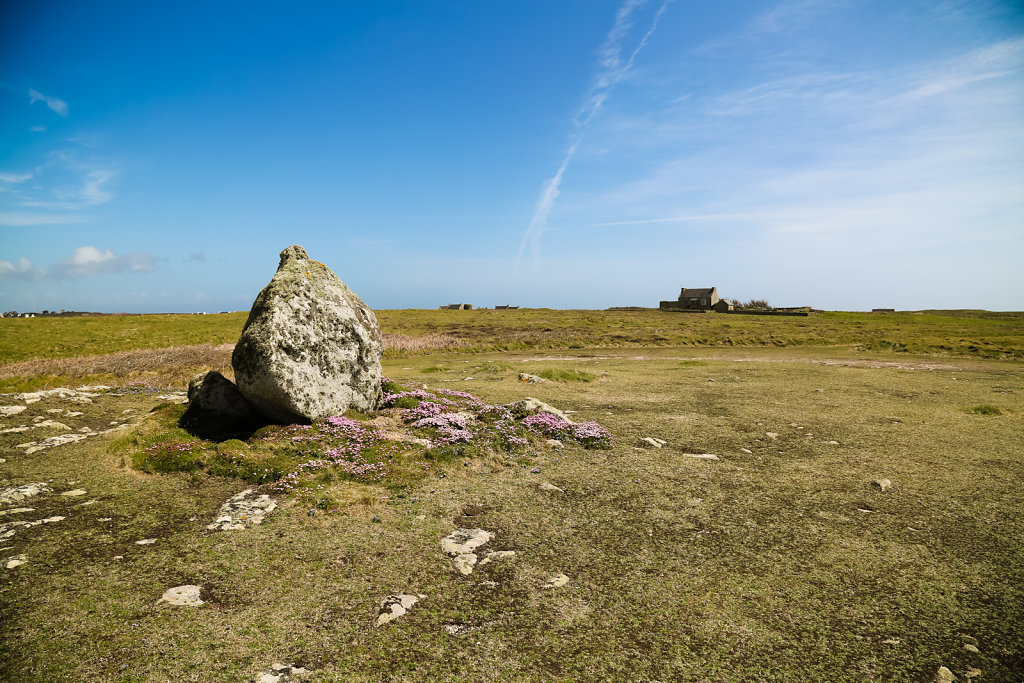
<point>394,606</point>
<point>212,392</point>
<point>184,596</point>
<point>882,484</point>
<point>310,347</point>
<point>530,379</point>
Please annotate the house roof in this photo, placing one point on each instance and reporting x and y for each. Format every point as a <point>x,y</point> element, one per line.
<point>694,293</point>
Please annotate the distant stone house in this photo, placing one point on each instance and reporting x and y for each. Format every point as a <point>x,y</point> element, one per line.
<point>456,307</point>
<point>699,299</point>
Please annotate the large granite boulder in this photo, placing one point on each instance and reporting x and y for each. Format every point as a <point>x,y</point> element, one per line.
<point>310,348</point>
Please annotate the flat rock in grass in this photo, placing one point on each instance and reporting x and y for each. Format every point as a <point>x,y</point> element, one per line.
<point>52,442</point>
<point>530,379</point>
<point>243,510</point>
<point>15,561</point>
<point>463,541</point>
<point>701,456</point>
<point>555,443</point>
<point>882,484</point>
<point>282,673</point>
<point>183,596</point>
<point>11,411</point>
<point>549,488</point>
<point>531,406</point>
<point>394,606</point>
<point>16,493</point>
<point>944,675</point>
<point>655,443</point>
<point>310,348</point>
<point>556,581</point>
<point>489,556</point>
<point>74,493</point>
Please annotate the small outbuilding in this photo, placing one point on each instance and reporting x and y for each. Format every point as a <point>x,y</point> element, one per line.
<point>696,299</point>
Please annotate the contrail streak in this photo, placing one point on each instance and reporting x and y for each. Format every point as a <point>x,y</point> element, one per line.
<point>611,71</point>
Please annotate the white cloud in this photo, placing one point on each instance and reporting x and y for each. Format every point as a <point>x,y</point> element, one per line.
<point>20,219</point>
<point>85,261</point>
<point>59,106</point>
<point>37,129</point>
<point>15,177</point>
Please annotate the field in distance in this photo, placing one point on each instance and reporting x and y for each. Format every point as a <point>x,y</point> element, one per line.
<point>780,559</point>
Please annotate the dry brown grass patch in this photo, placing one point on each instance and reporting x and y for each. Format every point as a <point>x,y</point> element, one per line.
<point>125,363</point>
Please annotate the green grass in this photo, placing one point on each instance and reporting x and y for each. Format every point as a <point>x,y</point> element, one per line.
<point>566,375</point>
<point>778,562</point>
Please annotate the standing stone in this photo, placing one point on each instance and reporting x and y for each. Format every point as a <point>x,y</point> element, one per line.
<point>310,348</point>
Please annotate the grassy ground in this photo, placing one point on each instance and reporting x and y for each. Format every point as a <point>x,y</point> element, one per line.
<point>781,563</point>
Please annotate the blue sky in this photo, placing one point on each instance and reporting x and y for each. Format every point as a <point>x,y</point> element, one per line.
<point>568,154</point>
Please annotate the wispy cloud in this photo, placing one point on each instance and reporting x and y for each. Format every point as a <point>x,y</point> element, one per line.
<point>16,219</point>
<point>85,261</point>
<point>15,177</point>
<point>37,129</point>
<point>59,106</point>
<point>612,68</point>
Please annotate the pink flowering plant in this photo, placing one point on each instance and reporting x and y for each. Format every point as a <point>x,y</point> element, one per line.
<point>305,459</point>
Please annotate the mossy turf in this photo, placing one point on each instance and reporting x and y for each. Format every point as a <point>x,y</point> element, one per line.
<point>778,564</point>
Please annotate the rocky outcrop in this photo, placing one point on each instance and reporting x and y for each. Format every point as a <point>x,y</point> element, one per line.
<point>310,348</point>
<point>215,393</point>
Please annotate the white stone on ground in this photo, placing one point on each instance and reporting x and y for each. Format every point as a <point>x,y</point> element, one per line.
<point>460,546</point>
<point>944,675</point>
<point>146,541</point>
<point>555,443</point>
<point>651,441</point>
<point>550,488</point>
<point>491,555</point>
<point>11,411</point>
<point>882,484</point>
<point>747,451</point>
<point>58,440</point>
<point>395,606</point>
<point>971,648</point>
<point>242,510</point>
<point>530,379</point>
<point>15,561</point>
<point>16,493</point>
<point>772,435</point>
<point>184,596</point>
<point>282,673</point>
<point>14,511</point>
<point>832,443</point>
<point>556,581</point>
<point>701,456</point>
<point>74,492</point>
<point>530,406</point>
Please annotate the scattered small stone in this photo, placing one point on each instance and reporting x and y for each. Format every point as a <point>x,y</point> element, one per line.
<point>831,443</point>
<point>75,413</point>
<point>15,561</point>
<point>15,430</point>
<point>550,488</point>
<point>394,606</point>
<point>242,510</point>
<point>74,492</point>
<point>882,484</point>
<point>944,675</point>
<point>701,456</point>
<point>556,444</point>
<point>85,430</point>
<point>15,511</point>
<point>51,442</point>
<point>747,451</point>
<point>972,673</point>
<point>184,596</point>
<point>891,641</point>
<point>11,411</point>
<point>530,379</point>
<point>864,510</point>
<point>556,581</point>
<point>529,406</point>
<point>282,673</point>
<point>13,495</point>
<point>971,648</point>
<point>490,556</point>
<point>654,442</point>
<point>460,546</point>
<point>772,435</point>
<point>146,541</point>
<point>535,470</point>
<point>105,519</point>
